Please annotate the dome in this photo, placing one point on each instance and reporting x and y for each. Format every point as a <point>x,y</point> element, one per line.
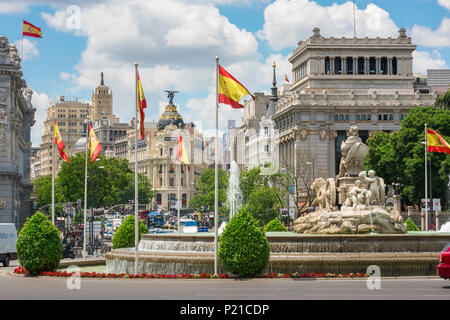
<point>170,115</point>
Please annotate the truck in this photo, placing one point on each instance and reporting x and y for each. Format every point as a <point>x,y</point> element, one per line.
<point>8,238</point>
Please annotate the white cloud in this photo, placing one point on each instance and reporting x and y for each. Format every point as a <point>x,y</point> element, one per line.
<point>423,60</point>
<point>439,38</point>
<point>40,101</point>
<point>13,7</point>
<point>175,43</point>
<point>444,3</point>
<point>29,49</point>
<point>288,21</point>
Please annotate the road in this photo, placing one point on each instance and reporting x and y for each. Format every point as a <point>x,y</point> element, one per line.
<point>420,288</point>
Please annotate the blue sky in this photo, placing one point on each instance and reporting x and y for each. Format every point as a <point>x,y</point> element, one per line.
<point>175,42</point>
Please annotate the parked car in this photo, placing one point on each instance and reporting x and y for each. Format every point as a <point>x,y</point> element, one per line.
<point>444,263</point>
<point>8,238</point>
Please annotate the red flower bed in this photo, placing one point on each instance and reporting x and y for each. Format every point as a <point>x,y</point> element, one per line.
<point>203,275</point>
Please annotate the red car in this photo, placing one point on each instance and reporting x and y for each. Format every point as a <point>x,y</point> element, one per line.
<point>444,263</point>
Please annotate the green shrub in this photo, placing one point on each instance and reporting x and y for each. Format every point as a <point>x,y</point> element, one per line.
<point>39,245</point>
<point>244,249</point>
<point>275,225</point>
<point>410,225</point>
<point>124,236</point>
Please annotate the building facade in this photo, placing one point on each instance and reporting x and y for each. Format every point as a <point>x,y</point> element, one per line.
<point>340,82</point>
<point>16,119</point>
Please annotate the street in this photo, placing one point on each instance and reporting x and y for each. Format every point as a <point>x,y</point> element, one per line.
<point>407,288</point>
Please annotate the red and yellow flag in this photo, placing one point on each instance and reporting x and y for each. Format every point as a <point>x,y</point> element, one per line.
<point>30,30</point>
<point>142,105</point>
<point>59,142</point>
<point>436,143</point>
<point>286,78</point>
<point>181,153</point>
<point>95,146</point>
<point>231,91</point>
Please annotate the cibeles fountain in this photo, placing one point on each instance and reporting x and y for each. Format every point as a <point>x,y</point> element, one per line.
<point>354,202</point>
<point>352,228</point>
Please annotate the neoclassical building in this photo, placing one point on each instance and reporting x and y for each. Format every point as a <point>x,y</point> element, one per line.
<point>16,119</point>
<point>340,82</point>
<point>157,157</point>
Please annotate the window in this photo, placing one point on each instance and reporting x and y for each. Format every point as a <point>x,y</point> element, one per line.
<point>172,168</point>
<point>358,117</point>
<point>158,198</point>
<point>349,65</point>
<point>346,117</point>
<point>266,130</point>
<point>327,65</point>
<point>161,152</point>
<point>341,117</point>
<point>266,148</point>
<point>182,182</point>
<point>394,65</point>
<point>372,66</point>
<point>171,182</point>
<point>171,152</point>
<point>385,116</point>
<point>337,65</point>
<point>383,66</point>
<point>160,168</point>
<point>363,117</point>
<point>160,182</point>
<point>391,117</point>
<point>369,117</point>
<point>182,168</point>
<point>402,116</point>
<point>361,65</point>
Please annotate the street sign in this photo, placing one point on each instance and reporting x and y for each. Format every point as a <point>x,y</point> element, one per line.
<point>292,212</point>
<point>97,227</point>
<point>436,204</point>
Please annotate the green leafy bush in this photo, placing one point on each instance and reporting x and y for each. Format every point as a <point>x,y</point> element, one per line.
<point>410,225</point>
<point>39,245</point>
<point>275,225</point>
<point>124,236</point>
<point>244,249</point>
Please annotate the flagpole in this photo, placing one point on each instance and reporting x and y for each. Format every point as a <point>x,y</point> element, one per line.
<point>216,174</point>
<point>53,176</point>
<point>426,179</point>
<point>136,189</point>
<point>178,196</point>
<point>85,188</point>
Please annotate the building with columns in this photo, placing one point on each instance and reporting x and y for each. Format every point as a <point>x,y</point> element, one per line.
<point>340,82</point>
<point>157,157</point>
<point>16,120</point>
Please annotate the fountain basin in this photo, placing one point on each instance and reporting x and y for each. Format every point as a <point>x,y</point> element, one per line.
<point>397,255</point>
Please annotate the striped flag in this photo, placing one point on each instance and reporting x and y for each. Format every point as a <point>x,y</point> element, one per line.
<point>181,153</point>
<point>142,106</point>
<point>286,78</point>
<point>59,142</point>
<point>95,146</point>
<point>29,30</point>
<point>436,143</point>
<point>231,91</point>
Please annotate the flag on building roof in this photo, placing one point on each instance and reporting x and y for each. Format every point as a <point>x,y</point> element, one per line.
<point>436,143</point>
<point>181,153</point>
<point>142,106</point>
<point>231,91</point>
<point>94,144</point>
<point>59,142</point>
<point>29,30</point>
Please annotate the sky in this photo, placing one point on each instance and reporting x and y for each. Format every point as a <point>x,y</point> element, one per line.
<point>175,43</point>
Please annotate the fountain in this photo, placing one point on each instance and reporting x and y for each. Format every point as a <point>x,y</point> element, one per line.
<point>234,194</point>
<point>354,202</point>
<point>351,230</point>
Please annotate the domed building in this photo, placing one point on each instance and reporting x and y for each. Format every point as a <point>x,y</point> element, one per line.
<point>170,115</point>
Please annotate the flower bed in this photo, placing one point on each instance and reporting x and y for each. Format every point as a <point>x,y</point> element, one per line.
<point>63,274</point>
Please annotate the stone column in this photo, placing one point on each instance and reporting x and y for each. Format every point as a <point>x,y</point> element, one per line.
<point>355,65</point>
<point>438,222</point>
<point>389,65</point>
<point>377,65</point>
<point>344,66</point>
<point>331,65</point>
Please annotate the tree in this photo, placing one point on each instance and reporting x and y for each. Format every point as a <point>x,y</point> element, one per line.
<point>110,182</point>
<point>399,157</point>
<point>204,195</point>
<point>275,225</point>
<point>443,102</point>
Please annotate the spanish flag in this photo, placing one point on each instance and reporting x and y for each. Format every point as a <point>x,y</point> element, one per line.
<point>95,146</point>
<point>231,91</point>
<point>142,105</point>
<point>436,143</point>
<point>286,78</point>
<point>30,30</point>
<point>181,153</point>
<point>59,142</point>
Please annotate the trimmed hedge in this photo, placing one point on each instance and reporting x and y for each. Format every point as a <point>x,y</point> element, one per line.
<point>275,225</point>
<point>39,245</point>
<point>124,236</point>
<point>410,225</point>
<point>244,249</point>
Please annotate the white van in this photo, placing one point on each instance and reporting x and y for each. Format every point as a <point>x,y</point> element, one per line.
<point>8,238</point>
